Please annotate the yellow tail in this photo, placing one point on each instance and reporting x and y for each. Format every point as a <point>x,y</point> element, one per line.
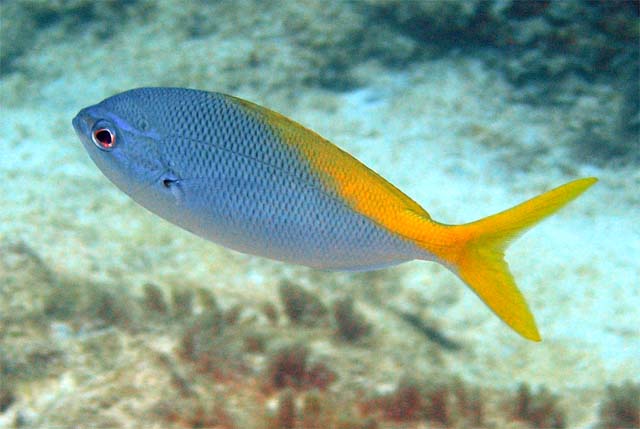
<point>475,252</point>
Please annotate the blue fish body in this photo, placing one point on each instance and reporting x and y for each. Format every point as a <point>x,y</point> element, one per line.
<point>255,181</point>
<point>208,163</point>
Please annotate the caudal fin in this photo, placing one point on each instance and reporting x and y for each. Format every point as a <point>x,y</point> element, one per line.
<point>475,252</point>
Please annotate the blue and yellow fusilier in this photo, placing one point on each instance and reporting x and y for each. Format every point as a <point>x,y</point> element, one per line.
<point>253,180</point>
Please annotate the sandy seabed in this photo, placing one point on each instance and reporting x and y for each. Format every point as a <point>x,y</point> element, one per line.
<point>80,334</point>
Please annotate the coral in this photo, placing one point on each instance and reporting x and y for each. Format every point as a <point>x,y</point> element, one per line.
<point>198,337</point>
<point>468,404</point>
<point>286,410</point>
<point>270,311</point>
<point>217,348</point>
<point>350,325</point>
<point>357,424</point>
<point>452,404</point>
<point>621,408</point>
<point>255,342</point>
<point>313,410</point>
<point>232,314</point>
<point>301,306</point>
<point>540,409</point>
<point>319,376</point>
<point>153,300</point>
<point>220,359</point>
<point>289,367</point>
<point>207,301</point>
<point>182,300</point>
<point>101,304</point>
<point>403,404</point>
<point>437,406</point>
<point>111,308</point>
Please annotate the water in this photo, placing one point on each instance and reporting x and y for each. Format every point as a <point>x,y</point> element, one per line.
<point>111,317</point>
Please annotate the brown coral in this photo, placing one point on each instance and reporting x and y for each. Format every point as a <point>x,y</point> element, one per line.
<point>289,367</point>
<point>621,408</point>
<point>301,306</point>
<point>350,325</point>
<point>538,409</point>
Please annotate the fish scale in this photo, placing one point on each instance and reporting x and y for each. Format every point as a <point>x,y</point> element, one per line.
<point>255,181</point>
<point>247,151</point>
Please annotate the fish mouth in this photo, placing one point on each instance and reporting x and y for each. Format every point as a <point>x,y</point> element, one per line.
<point>82,124</point>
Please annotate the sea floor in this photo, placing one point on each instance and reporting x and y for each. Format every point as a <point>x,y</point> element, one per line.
<point>212,342</point>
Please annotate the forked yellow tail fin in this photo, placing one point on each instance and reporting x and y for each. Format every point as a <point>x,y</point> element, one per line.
<point>475,252</point>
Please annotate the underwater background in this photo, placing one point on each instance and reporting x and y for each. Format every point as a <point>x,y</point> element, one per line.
<point>112,318</point>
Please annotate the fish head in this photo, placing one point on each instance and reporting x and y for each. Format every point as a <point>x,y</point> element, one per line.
<point>124,142</point>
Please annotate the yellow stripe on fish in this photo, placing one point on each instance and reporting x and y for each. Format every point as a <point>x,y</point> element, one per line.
<point>253,180</point>
<point>475,251</point>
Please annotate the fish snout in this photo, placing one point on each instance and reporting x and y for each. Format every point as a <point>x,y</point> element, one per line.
<point>83,123</point>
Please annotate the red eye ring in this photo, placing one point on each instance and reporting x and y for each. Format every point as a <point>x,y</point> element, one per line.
<point>103,138</point>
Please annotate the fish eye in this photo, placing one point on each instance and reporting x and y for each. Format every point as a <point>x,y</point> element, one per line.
<point>104,138</point>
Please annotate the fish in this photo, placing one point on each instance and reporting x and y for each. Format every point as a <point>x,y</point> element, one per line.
<point>253,180</point>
